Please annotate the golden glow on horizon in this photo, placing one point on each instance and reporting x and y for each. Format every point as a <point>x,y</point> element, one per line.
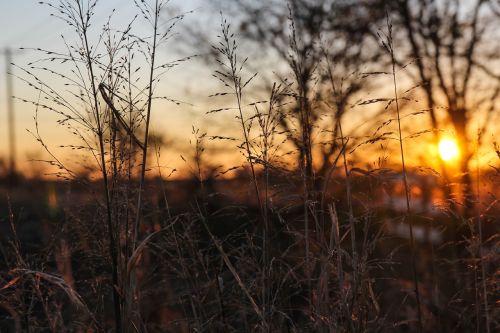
<point>448,149</point>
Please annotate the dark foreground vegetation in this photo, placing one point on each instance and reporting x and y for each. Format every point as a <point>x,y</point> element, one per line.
<point>320,228</point>
<point>200,267</point>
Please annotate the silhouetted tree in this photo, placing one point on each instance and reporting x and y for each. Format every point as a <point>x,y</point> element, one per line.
<point>313,38</point>
<point>453,46</point>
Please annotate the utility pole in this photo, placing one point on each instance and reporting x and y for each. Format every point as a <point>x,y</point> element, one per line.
<point>11,129</point>
<point>10,113</point>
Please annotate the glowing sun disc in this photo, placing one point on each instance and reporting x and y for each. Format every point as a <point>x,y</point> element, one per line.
<point>448,149</point>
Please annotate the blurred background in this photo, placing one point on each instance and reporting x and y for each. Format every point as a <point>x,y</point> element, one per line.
<point>282,166</point>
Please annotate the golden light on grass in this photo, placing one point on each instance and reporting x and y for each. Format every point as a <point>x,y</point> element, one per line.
<point>448,149</point>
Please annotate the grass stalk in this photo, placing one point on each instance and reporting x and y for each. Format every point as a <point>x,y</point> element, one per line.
<point>84,20</point>
<point>390,47</point>
<point>306,162</point>
<point>233,74</point>
<point>146,129</point>
<point>480,240</point>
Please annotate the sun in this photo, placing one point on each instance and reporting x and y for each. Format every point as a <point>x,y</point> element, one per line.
<point>448,149</point>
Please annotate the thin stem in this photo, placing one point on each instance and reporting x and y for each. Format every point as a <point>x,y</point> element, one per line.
<point>146,133</point>
<point>405,179</point>
<point>237,86</point>
<point>480,240</point>
<point>100,135</point>
<point>352,226</point>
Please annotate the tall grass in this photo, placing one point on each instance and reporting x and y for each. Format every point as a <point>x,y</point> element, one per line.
<point>279,247</point>
<point>388,43</point>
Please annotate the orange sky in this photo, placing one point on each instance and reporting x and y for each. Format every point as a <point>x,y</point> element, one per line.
<point>191,82</point>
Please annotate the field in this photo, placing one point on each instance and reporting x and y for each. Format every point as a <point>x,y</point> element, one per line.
<point>342,174</point>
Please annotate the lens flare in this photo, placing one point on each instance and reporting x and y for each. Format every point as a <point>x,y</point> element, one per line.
<point>448,149</point>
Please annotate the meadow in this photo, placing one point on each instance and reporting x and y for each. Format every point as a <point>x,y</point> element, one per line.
<point>350,183</point>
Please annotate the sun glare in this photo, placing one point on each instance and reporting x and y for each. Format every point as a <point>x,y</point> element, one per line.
<point>448,149</point>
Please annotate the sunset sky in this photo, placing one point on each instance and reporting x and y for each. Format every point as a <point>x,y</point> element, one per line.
<point>29,24</point>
